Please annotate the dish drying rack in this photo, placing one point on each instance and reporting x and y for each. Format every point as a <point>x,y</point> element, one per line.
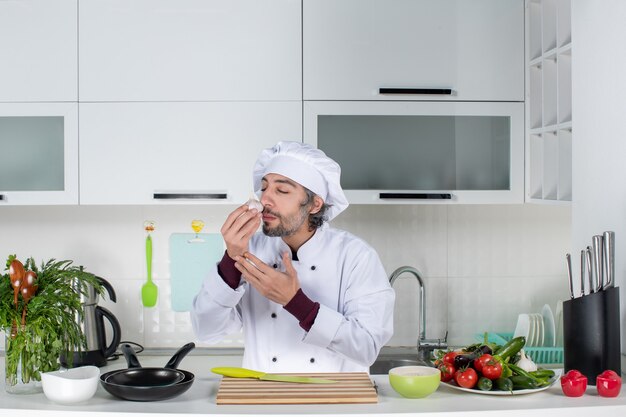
<point>539,355</point>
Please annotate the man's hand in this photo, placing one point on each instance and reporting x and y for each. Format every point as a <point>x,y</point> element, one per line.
<point>238,228</point>
<point>277,286</point>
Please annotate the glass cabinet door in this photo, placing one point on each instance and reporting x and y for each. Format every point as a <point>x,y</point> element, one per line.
<point>40,158</point>
<point>407,152</point>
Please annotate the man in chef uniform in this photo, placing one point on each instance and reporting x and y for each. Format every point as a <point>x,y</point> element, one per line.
<point>310,298</point>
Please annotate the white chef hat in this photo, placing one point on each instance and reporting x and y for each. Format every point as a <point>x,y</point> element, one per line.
<point>306,165</point>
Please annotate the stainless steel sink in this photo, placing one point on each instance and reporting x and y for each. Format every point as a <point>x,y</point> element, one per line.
<point>383,365</point>
<point>394,357</point>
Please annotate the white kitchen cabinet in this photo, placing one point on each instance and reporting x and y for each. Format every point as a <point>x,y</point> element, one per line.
<point>549,101</point>
<point>163,153</point>
<point>39,143</point>
<point>353,48</point>
<point>422,152</point>
<point>190,50</point>
<point>38,44</point>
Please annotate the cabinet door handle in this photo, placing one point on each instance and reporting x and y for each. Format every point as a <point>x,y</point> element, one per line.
<point>418,196</point>
<point>191,196</point>
<point>429,91</point>
<point>1,197</point>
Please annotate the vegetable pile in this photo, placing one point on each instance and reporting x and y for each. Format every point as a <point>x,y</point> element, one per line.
<point>488,366</point>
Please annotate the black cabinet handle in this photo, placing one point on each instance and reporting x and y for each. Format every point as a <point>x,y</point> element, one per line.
<point>190,196</point>
<point>428,91</point>
<point>1,197</point>
<point>418,196</point>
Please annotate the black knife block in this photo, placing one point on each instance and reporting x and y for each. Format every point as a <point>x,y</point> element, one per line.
<point>591,334</point>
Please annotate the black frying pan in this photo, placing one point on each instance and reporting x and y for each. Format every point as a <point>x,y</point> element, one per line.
<point>137,376</point>
<point>139,389</point>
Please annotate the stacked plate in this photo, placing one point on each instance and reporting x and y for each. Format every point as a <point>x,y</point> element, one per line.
<point>538,328</point>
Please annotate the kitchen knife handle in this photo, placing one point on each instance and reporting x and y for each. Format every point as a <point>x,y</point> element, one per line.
<point>583,269</point>
<point>589,269</point>
<point>237,372</point>
<point>416,196</point>
<point>597,243</point>
<point>609,258</point>
<point>190,196</point>
<point>568,260</point>
<point>416,91</point>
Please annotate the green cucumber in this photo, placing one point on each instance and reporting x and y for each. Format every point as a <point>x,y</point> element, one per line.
<point>511,348</point>
<point>523,382</point>
<point>484,384</point>
<point>504,384</point>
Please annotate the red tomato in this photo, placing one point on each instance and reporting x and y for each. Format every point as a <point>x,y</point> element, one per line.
<point>466,378</point>
<point>573,383</point>
<point>492,369</point>
<point>449,357</point>
<point>481,361</point>
<point>609,384</point>
<point>447,371</point>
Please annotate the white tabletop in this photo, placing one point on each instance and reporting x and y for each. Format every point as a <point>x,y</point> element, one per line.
<point>200,399</point>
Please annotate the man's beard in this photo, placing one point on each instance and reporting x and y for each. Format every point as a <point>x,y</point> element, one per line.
<point>287,226</point>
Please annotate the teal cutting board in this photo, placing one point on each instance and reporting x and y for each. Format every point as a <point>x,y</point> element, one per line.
<point>190,262</point>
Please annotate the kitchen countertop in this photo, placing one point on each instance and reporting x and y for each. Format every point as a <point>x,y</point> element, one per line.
<point>200,399</point>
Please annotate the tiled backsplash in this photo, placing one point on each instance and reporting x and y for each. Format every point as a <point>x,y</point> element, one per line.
<point>482,265</point>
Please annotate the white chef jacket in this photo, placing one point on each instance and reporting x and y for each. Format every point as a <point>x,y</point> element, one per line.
<point>336,269</point>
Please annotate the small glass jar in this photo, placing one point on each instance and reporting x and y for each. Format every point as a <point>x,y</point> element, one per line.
<point>21,373</point>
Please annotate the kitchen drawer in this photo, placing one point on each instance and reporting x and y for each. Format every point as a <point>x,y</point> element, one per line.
<point>168,153</point>
<point>190,50</point>
<point>353,48</point>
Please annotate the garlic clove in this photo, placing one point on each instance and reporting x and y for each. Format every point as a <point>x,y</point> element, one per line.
<point>253,203</point>
<point>526,363</point>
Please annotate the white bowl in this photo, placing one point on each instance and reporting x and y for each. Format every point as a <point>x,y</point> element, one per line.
<point>71,385</point>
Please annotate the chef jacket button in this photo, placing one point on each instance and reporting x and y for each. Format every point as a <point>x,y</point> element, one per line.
<point>313,268</point>
<point>275,266</point>
<point>312,360</point>
<point>274,359</point>
<point>273,315</point>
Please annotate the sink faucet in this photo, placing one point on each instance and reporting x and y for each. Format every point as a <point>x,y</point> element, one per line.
<point>424,346</point>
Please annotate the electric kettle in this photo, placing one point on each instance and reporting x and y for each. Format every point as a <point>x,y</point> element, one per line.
<point>93,326</point>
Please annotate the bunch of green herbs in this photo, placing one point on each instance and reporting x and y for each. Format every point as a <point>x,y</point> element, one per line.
<point>51,326</point>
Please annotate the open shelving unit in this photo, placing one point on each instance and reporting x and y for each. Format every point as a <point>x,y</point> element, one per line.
<point>548,101</point>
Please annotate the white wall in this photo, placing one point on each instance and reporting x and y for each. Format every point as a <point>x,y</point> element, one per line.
<point>482,265</point>
<point>599,131</point>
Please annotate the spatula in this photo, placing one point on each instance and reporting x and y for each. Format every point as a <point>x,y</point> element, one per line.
<point>149,290</point>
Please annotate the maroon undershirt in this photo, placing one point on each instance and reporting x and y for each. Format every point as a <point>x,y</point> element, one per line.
<point>300,306</point>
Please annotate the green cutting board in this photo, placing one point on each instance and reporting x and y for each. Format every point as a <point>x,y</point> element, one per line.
<point>191,260</point>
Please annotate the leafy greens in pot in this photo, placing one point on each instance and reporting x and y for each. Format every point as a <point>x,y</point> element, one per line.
<point>51,328</point>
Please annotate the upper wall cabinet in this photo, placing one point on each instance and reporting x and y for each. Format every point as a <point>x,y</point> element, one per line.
<point>162,153</point>
<point>419,152</point>
<point>190,50</point>
<point>39,143</point>
<point>413,50</point>
<point>38,44</point>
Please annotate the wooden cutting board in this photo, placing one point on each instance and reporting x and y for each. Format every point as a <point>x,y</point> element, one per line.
<point>351,388</point>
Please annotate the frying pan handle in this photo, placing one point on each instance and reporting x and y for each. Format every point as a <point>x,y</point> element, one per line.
<point>131,357</point>
<point>179,355</point>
